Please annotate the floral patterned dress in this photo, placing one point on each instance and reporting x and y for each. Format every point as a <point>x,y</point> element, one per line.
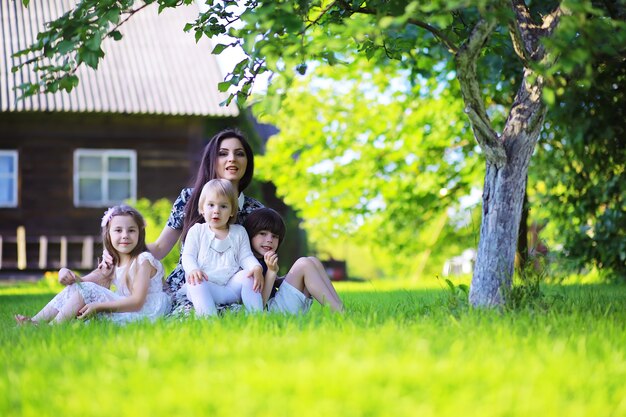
<point>176,279</point>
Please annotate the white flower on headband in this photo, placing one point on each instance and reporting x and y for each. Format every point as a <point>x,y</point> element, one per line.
<point>107,216</point>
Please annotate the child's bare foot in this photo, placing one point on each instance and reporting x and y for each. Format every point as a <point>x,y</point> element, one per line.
<point>21,320</point>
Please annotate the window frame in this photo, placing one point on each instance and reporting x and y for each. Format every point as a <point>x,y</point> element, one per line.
<point>105,175</point>
<point>13,176</point>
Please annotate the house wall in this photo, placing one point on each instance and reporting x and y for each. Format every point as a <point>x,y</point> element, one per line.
<point>168,150</point>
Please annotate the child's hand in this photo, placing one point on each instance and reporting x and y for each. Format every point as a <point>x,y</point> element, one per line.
<point>258,279</point>
<point>196,277</point>
<point>271,260</point>
<point>88,310</point>
<point>106,264</point>
<point>66,276</point>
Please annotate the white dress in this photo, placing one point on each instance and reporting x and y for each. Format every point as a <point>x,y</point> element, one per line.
<point>157,303</point>
<point>220,259</point>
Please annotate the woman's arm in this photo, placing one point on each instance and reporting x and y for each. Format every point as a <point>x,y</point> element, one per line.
<point>134,302</point>
<point>165,242</point>
<point>191,250</point>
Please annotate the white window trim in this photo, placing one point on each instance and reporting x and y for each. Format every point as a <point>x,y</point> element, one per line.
<point>105,154</point>
<point>13,176</point>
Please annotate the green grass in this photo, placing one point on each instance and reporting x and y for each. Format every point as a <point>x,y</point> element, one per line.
<point>400,350</point>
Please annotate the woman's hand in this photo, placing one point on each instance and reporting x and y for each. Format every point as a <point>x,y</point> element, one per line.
<point>88,310</point>
<point>67,276</point>
<point>196,277</point>
<point>271,260</point>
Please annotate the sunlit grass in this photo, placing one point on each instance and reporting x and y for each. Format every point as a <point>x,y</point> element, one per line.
<point>400,350</point>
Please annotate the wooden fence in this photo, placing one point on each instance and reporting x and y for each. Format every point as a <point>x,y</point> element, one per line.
<point>21,252</point>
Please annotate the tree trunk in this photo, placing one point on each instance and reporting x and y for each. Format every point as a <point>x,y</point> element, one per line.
<point>503,197</point>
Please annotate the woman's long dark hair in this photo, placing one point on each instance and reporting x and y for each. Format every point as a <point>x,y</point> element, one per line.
<point>207,172</point>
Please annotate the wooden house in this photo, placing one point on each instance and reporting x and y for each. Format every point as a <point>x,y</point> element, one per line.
<point>135,128</point>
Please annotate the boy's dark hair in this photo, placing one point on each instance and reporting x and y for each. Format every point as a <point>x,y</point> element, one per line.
<point>265,219</point>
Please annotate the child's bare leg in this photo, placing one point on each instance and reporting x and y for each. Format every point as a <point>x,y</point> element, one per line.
<point>50,310</point>
<point>46,314</point>
<point>326,279</point>
<point>71,308</point>
<point>305,276</point>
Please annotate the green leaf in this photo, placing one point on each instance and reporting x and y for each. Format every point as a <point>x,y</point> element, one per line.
<point>116,35</point>
<point>93,43</point>
<point>89,57</point>
<point>112,15</point>
<point>224,86</point>
<point>240,67</point>
<point>64,47</point>
<point>68,83</point>
<point>219,48</point>
<point>227,101</point>
<point>548,96</point>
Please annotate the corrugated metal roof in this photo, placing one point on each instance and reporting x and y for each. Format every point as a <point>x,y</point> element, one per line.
<point>155,69</point>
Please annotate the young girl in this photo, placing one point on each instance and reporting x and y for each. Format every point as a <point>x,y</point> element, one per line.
<point>216,255</point>
<point>138,279</point>
<point>306,278</point>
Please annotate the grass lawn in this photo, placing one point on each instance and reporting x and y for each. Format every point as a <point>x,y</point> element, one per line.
<point>400,350</point>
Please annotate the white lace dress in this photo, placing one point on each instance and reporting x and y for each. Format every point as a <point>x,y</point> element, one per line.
<point>157,303</point>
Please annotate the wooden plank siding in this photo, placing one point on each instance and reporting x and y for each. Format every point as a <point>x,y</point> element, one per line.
<point>168,151</point>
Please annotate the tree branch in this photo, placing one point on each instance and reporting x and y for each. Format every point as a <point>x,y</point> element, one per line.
<point>525,29</point>
<point>322,14</point>
<point>452,48</point>
<point>525,33</point>
<point>552,19</point>
<point>517,34</point>
<point>466,60</point>
<point>130,14</point>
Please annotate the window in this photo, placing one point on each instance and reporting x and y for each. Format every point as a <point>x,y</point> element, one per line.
<point>8,178</point>
<point>104,178</point>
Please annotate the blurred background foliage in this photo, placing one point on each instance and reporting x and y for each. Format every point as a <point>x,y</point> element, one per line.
<point>384,172</point>
<point>578,184</point>
<point>376,155</point>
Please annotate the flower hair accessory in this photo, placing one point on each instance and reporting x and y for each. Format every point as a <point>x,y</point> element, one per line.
<point>107,216</point>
